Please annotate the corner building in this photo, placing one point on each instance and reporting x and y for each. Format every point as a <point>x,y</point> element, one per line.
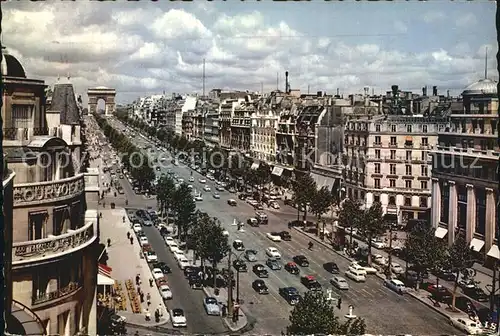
<point>464,175</point>
<point>53,271</point>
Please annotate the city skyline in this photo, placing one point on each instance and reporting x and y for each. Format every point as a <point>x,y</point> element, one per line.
<point>143,50</point>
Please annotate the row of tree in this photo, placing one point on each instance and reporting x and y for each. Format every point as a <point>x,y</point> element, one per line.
<point>422,248</point>
<point>138,165</point>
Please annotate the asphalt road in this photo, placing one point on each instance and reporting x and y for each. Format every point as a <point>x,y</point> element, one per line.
<point>384,311</point>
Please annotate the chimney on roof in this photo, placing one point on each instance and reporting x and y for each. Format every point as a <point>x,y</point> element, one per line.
<point>448,93</point>
<point>434,90</point>
<point>424,91</point>
<point>287,84</point>
<point>338,93</point>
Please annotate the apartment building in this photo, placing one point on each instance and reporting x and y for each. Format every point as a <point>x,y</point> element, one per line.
<point>287,107</point>
<point>264,123</point>
<point>386,157</point>
<point>211,124</point>
<point>53,266</point>
<point>465,171</point>
<point>187,124</point>
<point>241,123</point>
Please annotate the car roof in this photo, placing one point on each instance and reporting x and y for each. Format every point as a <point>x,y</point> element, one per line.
<point>291,263</point>
<point>398,282</point>
<point>310,277</point>
<point>238,241</point>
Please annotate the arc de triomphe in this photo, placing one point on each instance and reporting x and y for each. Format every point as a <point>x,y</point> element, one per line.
<point>104,93</point>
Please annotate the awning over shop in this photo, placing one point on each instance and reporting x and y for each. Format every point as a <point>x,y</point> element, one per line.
<point>255,165</point>
<point>494,252</point>
<point>476,244</point>
<point>323,181</point>
<point>441,232</point>
<point>277,171</point>
<point>103,280</point>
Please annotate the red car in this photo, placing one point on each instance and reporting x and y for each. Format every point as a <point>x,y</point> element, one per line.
<point>440,293</point>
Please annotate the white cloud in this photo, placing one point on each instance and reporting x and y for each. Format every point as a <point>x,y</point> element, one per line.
<point>148,50</point>
<point>433,16</point>
<point>466,20</point>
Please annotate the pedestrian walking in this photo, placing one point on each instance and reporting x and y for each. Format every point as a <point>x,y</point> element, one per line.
<point>128,235</point>
<point>339,303</point>
<point>160,309</point>
<point>131,240</point>
<point>148,298</point>
<point>150,282</point>
<point>147,315</point>
<point>142,297</point>
<point>137,277</point>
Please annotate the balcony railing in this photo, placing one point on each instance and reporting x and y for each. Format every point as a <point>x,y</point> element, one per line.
<point>50,296</point>
<point>47,248</point>
<point>16,133</point>
<point>50,191</point>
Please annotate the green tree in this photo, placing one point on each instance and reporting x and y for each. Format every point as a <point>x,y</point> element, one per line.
<point>165,193</point>
<point>320,204</point>
<point>314,314</point>
<point>424,250</point>
<point>370,222</point>
<point>304,189</point>
<point>209,240</point>
<point>459,260</point>
<point>184,207</point>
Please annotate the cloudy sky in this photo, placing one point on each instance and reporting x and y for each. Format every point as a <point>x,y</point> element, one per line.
<point>142,48</point>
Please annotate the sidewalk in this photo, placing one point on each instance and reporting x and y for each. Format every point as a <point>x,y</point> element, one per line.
<point>222,298</point>
<point>126,264</point>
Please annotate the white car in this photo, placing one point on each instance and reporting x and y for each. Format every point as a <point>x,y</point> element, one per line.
<point>273,252</point>
<point>173,247</point>
<point>354,266</point>
<point>275,205</point>
<point>396,268</point>
<point>190,186</point>
<point>396,285</point>
<point>468,326</point>
<point>339,283</point>
<point>183,262</point>
<point>166,293</point>
<point>202,180</point>
<point>206,188</point>
<point>198,198</point>
<point>220,188</point>
<point>157,273</point>
<point>191,179</point>
<point>178,318</point>
<point>137,227</point>
<point>181,180</point>
<point>211,306</point>
<point>274,236</point>
<point>151,256</point>
<point>380,260</point>
<point>355,275</point>
<point>378,244</point>
<point>225,233</point>
<point>143,240</point>
<point>216,195</point>
<point>169,241</point>
<point>178,254</point>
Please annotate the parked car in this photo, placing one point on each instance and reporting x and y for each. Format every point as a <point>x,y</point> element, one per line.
<point>285,235</point>
<point>178,318</point>
<point>466,325</point>
<point>445,274</point>
<point>339,282</point>
<point>439,293</point>
<point>211,306</point>
<point>260,270</point>
<point>260,286</point>
<point>165,292</point>
<point>231,202</point>
<point>476,293</point>
<point>157,273</point>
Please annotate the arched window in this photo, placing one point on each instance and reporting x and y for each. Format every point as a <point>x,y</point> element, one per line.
<point>392,200</point>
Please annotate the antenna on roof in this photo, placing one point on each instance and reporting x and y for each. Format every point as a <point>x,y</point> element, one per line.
<point>486,64</point>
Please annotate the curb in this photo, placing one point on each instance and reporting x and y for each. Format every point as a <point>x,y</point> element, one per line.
<point>323,244</point>
<point>139,325</point>
<point>227,323</point>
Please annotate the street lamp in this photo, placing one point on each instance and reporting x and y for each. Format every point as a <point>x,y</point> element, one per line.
<point>230,303</point>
